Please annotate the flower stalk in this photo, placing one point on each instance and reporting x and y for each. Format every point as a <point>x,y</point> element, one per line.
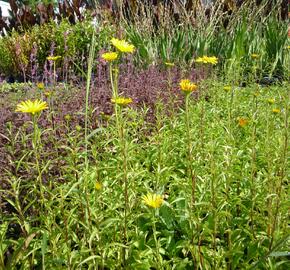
<point>187,87</point>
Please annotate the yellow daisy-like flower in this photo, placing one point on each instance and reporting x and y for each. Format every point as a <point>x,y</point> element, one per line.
<point>53,58</point>
<point>243,122</point>
<point>227,88</point>
<point>153,200</point>
<point>169,64</point>
<point>98,185</point>
<point>122,101</point>
<point>32,107</point>
<point>255,56</point>
<point>207,60</point>
<point>109,56</point>
<point>271,100</point>
<point>122,45</point>
<point>187,86</point>
<point>40,85</point>
<point>276,110</point>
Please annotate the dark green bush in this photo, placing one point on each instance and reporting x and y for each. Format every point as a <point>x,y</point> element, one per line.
<point>71,42</point>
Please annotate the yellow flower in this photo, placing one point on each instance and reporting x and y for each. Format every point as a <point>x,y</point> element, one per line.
<point>40,85</point>
<point>207,60</point>
<point>169,64</point>
<point>78,128</point>
<point>255,56</point>
<point>288,47</point>
<point>271,100</point>
<point>122,45</point>
<point>227,88</point>
<point>187,86</point>
<point>32,107</point>
<point>243,122</point>
<point>153,200</point>
<point>109,56</point>
<point>67,117</point>
<point>276,110</point>
<point>98,185</point>
<point>121,101</point>
<point>47,94</point>
<point>53,58</point>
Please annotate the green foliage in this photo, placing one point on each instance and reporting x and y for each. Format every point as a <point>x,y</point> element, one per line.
<point>239,216</point>
<point>247,32</point>
<point>69,41</point>
<point>228,145</point>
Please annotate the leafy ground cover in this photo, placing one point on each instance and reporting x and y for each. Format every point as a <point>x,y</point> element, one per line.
<point>169,152</point>
<point>235,152</point>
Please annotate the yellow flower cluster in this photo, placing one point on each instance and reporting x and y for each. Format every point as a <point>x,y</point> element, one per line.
<point>169,64</point>
<point>122,45</point>
<point>255,56</point>
<point>53,58</point>
<point>122,101</point>
<point>227,88</point>
<point>47,93</point>
<point>32,107</point>
<point>271,100</point>
<point>207,60</point>
<point>153,200</point>
<point>187,86</point>
<point>40,85</point>
<point>98,185</point>
<point>109,56</point>
<point>276,110</point>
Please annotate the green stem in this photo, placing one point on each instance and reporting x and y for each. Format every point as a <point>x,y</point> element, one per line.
<point>156,240</point>
<point>270,182</point>
<point>124,154</point>
<point>120,125</point>
<point>88,85</point>
<point>213,187</point>
<point>114,80</point>
<point>54,73</point>
<point>189,151</point>
<point>282,173</point>
<point>35,144</point>
<point>253,165</point>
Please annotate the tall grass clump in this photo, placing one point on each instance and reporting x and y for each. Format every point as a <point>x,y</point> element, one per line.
<point>232,35</point>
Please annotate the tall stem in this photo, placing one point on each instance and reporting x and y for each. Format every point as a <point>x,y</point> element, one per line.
<point>54,73</point>
<point>282,173</point>
<point>35,144</point>
<point>156,240</point>
<point>88,85</point>
<point>125,176</point>
<point>253,165</point>
<point>120,125</point>
<point>270,182</point>
<point>123,144</point>
<point>213,188</point>
<point>189,151</point>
